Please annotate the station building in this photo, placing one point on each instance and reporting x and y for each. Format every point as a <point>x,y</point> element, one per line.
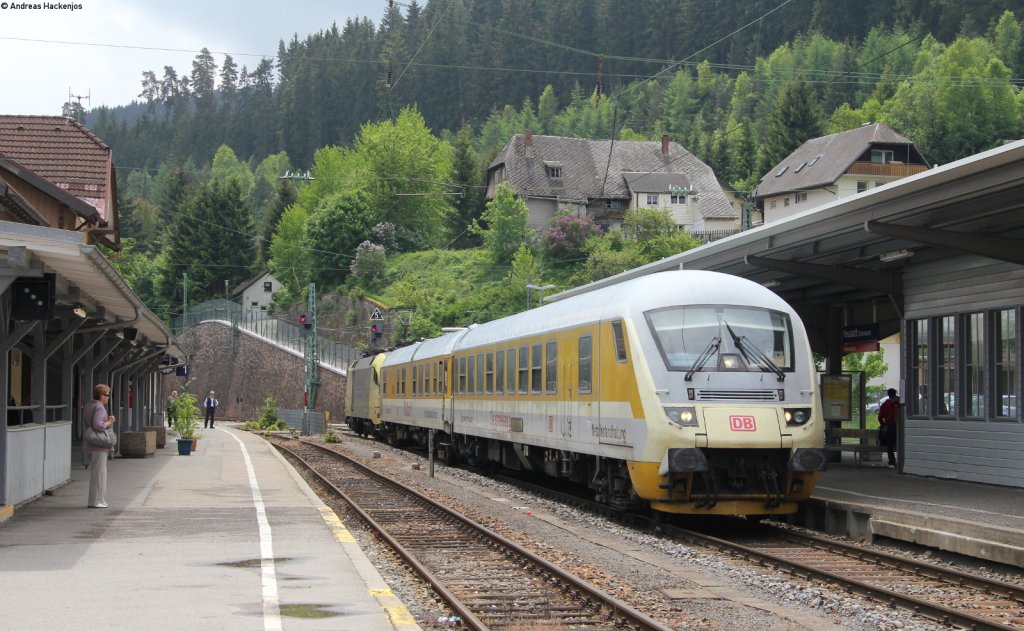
<point>936,258</point>
<point>71,320</point>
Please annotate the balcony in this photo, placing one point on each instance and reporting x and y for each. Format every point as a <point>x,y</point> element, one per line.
<point>890,169</point>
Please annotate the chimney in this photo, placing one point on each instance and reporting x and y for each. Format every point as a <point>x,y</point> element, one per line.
<point>664,145</point>
<point>528,138</point>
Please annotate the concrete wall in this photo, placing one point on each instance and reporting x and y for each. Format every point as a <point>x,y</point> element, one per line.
<point>245,370</point>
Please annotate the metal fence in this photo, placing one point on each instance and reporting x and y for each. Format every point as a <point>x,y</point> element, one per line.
<point>273,329</point>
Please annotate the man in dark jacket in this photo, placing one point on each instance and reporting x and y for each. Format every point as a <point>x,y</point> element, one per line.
<point>210,404</point>
<point>888,417</point>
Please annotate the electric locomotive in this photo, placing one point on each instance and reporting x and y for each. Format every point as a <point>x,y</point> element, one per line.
<point>687,392</point>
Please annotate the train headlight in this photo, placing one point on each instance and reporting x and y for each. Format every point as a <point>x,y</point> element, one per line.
<point>729,361</point>
<point>797,416</point>
<point>682,416</point>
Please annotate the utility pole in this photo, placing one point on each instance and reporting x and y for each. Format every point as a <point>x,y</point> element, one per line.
<point>312,362</point>
<point>184,300</point>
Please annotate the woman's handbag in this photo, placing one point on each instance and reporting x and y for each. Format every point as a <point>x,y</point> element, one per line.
<point>106,438</point>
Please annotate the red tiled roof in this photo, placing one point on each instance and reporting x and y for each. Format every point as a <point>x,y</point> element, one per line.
<point>64,152</point>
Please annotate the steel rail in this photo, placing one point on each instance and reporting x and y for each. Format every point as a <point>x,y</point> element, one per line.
<point>594,594</point>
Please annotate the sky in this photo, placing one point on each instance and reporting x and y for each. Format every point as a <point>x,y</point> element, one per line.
<point>99,48</point>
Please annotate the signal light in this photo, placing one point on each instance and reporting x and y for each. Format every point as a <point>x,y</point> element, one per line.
<point>375,334</point>
<point>304,324</point>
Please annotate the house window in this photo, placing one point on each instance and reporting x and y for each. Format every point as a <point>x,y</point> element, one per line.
<point>553,171</point>
<point>877,184</point>
<point>801,197</point>
<point>268,286</point>
<point>815,160</point>
<point>974,364</point>
<point>881,156</point>
<point>919,372</point>
<point>774,202</point>
<point>946,364</point>
<point>782,171</point>
<point>678,198</point>
<point>255,303</point>
<point>800,167</point>
<point>263,307</point>
<point>652,199</point>
<point>1005,326</point>
<point>862,186</point>
<point>785,202</point>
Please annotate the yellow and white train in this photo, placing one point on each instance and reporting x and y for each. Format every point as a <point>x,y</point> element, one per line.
<point>687,391</point>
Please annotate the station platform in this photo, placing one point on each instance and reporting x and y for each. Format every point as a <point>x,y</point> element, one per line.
<point>868,501</point>
<point>229,537</point>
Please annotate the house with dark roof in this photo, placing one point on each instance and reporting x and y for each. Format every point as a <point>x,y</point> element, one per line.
<point>256,295</point>
<point>56,173</point>
<point>602,179</point>
<point>838,165</point>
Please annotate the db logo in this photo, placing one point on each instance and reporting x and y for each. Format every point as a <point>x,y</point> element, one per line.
<point>742,424</point>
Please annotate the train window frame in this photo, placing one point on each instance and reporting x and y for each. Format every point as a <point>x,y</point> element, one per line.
<point>512,372</point>
<point>415,380</point>
<point>471,374</point>
<point>585,386</point>
<point>499,371</point>
<point>536,368</point>
<point>551,367</point>
<point>403,380</point>
<point>479,373</point>
<point>462,375</point>
<point>619,335</point>
<point>524,370</point>
<point>489,373</point>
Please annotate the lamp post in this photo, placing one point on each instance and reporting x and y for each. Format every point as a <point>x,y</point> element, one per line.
<point>529,294</point>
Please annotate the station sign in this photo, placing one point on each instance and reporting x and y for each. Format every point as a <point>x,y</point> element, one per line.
<point>860,338</point>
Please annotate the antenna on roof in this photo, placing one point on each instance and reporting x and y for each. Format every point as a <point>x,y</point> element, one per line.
<point>74,109</point>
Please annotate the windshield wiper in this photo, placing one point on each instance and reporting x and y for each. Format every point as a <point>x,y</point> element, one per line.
<point>754,354</point>
<point>703,358</point>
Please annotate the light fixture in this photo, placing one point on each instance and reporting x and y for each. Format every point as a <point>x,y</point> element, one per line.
<point>79,311</point>
<point>895,255</point>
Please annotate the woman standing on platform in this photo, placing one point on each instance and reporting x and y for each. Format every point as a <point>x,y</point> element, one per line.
<point>95,416</point>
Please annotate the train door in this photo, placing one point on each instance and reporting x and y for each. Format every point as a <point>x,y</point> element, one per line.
<point>584,380</point>
<point>569,401</point>
<point>447,397</point>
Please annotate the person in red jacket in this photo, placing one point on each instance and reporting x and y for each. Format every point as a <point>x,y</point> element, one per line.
<point>888,417</point>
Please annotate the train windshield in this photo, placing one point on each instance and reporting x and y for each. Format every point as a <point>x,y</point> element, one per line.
<point>737,338</point>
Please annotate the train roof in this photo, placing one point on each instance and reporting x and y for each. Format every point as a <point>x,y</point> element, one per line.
<point>631,298</point>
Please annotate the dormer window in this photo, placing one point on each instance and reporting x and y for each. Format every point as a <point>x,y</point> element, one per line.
<point>553,169</point>
<point>781,171</point>
<point>800,168</point>
<point>881,156</point>
<point>816,158</point>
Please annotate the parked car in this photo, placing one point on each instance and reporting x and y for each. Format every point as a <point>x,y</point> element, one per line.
<point>872,408</point>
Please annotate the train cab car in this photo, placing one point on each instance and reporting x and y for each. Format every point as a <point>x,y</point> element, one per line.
<point>685,391</point>
<point>362,395</point>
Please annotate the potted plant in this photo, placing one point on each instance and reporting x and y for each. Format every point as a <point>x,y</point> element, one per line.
<point>186,422</point>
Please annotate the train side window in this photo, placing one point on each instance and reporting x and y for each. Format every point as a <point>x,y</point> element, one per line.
<point>471,375</point>
<point>510,374</point>
<point>538,369</point>
<point>499,375</point>
<point>586,363</point>
<point>433,377</point>
<point>524,370</point>
<point>490,373</point>
<point>425,379</point>
<point>462,375</point>
<point>403,380</point>
<point>480,373</point>
<point>551,367</point>
<point>620,342</point>
<point>415,380</point>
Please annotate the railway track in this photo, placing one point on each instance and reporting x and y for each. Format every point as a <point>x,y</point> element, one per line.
<point>487,580</point>
<point>946,596</point>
